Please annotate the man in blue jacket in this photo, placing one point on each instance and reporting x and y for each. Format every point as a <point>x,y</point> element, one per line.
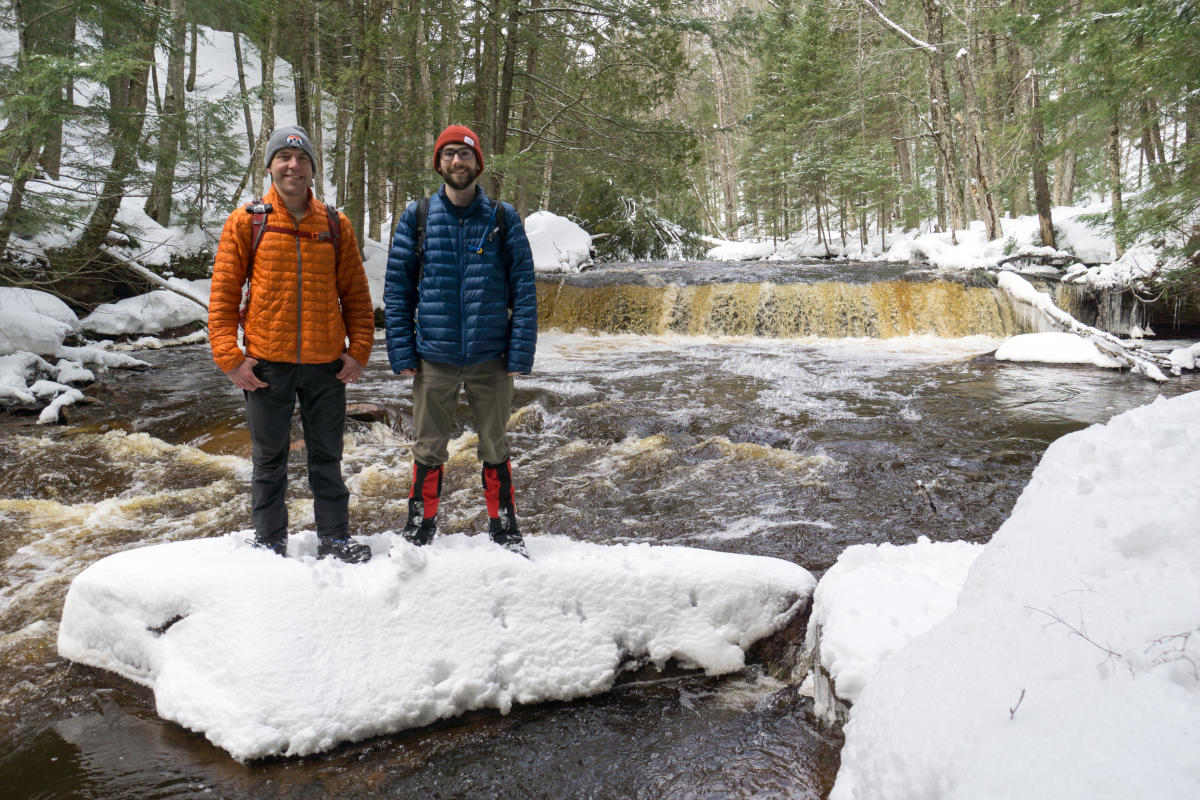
<point>461,309</point>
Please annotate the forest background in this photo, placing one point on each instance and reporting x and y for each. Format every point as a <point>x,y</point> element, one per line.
<point>650,122</point>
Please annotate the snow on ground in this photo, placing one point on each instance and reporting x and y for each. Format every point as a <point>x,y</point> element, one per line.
<point>1088,245</point>
<point>267,655</point>
<point>1069,664</point>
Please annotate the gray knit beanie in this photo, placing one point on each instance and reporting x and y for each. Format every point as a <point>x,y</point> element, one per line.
<point>289,136</point>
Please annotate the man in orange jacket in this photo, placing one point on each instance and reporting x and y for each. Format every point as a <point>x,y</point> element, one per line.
<point>307,331</point>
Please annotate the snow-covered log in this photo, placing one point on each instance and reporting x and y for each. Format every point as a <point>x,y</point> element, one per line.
<point>1152,365</point>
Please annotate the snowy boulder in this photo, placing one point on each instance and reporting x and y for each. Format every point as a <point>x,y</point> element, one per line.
<point>267,655</point>
<point>558,244</point>
<point>155,312</point>
<point>1068,669</point>
<point>1054,347</point>
<point>33,322</point>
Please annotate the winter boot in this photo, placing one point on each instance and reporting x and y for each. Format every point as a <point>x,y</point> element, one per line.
<point>343,549</point>
<point>503,531</point>
<point>423,499</point>
<point>276,544</point>
<point>502,511</point>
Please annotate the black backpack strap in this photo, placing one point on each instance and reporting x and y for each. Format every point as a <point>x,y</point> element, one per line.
<point>502,230</point>
<point>258,211</point>
<point>419,247</point>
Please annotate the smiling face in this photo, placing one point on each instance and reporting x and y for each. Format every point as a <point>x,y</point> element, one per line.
<point>460,170</point>
<point>291,171</point>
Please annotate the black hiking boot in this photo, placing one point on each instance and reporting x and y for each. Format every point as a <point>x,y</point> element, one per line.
<point>419,530</point>
<point>343,549</point>
<point>276,544</point>
<point>503,531</point>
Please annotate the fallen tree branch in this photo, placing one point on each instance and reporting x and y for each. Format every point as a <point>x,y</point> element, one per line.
<point>154,278</point>
<point>1152,365</point>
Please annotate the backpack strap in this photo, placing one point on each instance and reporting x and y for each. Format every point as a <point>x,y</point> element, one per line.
<point>419,247</point>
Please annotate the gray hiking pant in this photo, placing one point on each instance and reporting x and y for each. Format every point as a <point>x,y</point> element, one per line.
<point>489,390</point>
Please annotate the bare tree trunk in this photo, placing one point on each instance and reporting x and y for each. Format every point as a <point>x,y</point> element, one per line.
<point>126,115</point>
<point>317,133</point>
<point>547,177</point>
<point>1114,180</point>
<point>59,35</point>
<point>301,75</point>
<point>241,73</point>
<point>725,147</point>
<point>365,120</point>
<point>1037,158</point>
<point>195,41</point>
<point>983,171</point>
<point>173,122</point>
<point>504,100</point>
<point>268,106</point>
<point>1064,167</point>
<point>943,122</point>
<point>19,147</point>
<point>528,112</point>
<point>487,80</point>
<point>904,166</point>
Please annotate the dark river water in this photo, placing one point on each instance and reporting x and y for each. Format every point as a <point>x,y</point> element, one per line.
<point>787,447</point>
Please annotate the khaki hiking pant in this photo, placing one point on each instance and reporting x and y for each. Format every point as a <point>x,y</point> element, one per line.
<point>489,390</point>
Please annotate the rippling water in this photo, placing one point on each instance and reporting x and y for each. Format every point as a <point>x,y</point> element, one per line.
<point>787,448</point>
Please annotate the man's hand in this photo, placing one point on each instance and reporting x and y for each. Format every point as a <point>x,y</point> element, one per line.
<point>407,372</point>
<point>350,370</point>
<point>243,375</point>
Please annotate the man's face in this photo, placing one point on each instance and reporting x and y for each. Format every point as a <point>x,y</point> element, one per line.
<point>461,169</point>
<point>291,172</point>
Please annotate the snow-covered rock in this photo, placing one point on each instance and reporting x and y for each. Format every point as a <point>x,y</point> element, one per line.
<point>155,312</point>
<point>558,244</point>
<point>267,655</point>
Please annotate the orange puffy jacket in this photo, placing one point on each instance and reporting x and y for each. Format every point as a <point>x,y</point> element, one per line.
<point>302,307</point>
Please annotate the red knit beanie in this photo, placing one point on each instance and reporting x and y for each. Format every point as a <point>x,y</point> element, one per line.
<point>457,134</point>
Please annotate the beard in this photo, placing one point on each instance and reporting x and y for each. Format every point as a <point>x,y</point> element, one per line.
<point>461,179</point>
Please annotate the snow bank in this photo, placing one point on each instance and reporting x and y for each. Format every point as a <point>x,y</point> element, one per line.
<point>966,249</point>
<point>155,312</point>
<point>266,655</point>
<point>878,598</point>
<point>1069,667</point>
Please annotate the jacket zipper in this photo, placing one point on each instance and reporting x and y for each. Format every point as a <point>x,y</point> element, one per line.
<point>299,298</point>
<point>462,293</point>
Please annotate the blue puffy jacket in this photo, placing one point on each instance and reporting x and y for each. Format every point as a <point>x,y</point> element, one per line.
<point>470,306</point>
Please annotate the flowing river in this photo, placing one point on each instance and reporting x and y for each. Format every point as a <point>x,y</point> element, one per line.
<point>786,410</point>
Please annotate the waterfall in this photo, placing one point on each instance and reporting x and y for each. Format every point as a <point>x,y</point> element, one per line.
<point>828,309</point>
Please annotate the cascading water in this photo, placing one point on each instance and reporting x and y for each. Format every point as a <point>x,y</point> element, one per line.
<point>828,309</point>
<point>710,411</point>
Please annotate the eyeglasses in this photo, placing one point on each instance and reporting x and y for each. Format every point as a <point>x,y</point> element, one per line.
<point>464,154</point>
